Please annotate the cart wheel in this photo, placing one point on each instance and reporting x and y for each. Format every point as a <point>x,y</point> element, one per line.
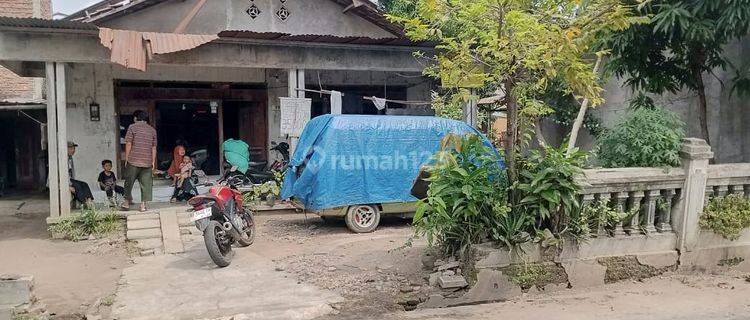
<point>363,218</point>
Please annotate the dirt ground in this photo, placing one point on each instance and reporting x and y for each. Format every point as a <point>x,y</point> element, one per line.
<point>69,276</point>
<point>374,273</point>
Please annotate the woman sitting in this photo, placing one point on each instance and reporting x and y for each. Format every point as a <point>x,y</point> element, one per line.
<point>174,168</point>
<point>184,188</point>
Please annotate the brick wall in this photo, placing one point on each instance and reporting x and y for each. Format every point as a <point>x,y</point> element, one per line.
<point>13,87</point>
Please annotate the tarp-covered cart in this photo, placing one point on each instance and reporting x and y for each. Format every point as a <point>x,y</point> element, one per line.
<point>361,167</point>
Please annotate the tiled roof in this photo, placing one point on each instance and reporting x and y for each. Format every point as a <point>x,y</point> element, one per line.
<point>312,38</point>
<point>45,24</point>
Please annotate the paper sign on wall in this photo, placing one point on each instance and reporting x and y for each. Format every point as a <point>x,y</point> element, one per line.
<point>295,112</point>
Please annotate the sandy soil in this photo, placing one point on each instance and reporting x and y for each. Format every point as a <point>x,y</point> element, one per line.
<point>69,276</point>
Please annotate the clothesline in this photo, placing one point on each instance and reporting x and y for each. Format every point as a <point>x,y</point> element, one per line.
<point>404,102</point>
<point>374,98</point>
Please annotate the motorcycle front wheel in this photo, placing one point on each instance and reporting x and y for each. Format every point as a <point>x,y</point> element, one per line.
<point>218,244</point>
<point>248,236</point>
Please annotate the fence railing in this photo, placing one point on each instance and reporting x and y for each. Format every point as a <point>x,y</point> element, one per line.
<point>724,179</point>
<point>646,195</point>
<point>664,200</point>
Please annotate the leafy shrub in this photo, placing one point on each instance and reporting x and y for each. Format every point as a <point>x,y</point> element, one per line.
<point>89,222</point>
<point>647,137</point>
<point>599,213</point>
<point>547,188</point>
<point>466,196</point>
<point>726,216</point>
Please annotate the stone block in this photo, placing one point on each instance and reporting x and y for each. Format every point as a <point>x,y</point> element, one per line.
<point>584,273</point>
<point>433,280</point>
<point>144,216</point>
<point>659,260</point>
<point>139,234</point>
<point>170,231</point>
<point>449,265</point>
<point>143,224</point>
<point>153,243</point>
<point>15,290</point>
<point>452,282</point>
<point>435,301</point>
<point>6,313</point>
<point>491,286</point>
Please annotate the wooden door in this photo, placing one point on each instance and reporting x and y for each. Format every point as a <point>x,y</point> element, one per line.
<point>252,124</point>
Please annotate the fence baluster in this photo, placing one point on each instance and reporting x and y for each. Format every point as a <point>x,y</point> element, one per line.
<point>721,191</point>
<point>620,199</point>
<point>634,206</point>
<point>587,200</point>
<point>606,199</point>
<point>665,213</point>
<point>651,197</point>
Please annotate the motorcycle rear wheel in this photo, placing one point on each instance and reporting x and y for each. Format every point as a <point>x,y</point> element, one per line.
<point>248,237</point>
<point>218,246</point>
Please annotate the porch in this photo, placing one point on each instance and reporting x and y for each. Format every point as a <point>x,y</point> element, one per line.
<point>89,98</point>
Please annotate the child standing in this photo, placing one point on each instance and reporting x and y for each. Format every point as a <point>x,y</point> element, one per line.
<point>108,182</point>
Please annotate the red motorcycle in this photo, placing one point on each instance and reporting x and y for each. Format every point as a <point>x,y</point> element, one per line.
<point>219,214</point>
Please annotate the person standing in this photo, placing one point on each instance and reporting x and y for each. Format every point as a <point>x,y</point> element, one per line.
<point>140,159</point>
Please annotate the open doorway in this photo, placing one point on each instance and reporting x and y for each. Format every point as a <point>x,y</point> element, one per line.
<point>195,125</point>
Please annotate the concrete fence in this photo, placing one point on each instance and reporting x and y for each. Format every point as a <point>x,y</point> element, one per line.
<point>661,232</point>
<point>666,203</point>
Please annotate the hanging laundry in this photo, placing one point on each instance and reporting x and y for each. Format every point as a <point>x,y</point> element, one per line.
<point>335,102</point>
<point>380,103</point>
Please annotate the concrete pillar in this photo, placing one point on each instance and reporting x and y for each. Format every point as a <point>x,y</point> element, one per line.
<point>695,154</point>
<point>53,181</point>
<point>470,111</point>
<point>296,81</point>
<point>57,142</point>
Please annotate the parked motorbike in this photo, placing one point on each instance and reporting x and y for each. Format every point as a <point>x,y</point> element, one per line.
<point>258,172</point>
<point>219,214</point>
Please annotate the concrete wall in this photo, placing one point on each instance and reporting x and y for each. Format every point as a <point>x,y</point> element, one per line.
<point>165,17</point>
<point>322,17</point>
<point>306,17</point>
<point>728,116</point>
<point>87,83</point>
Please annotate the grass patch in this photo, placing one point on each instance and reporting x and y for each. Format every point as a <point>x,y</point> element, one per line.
<point>108,300</point>
<point>535,274</point>
<point>89,222</point>
<point>628,267</point>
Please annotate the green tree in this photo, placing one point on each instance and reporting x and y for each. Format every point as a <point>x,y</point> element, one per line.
<point>516,45</point>
<point>683,41</point>
<point>401,8</point>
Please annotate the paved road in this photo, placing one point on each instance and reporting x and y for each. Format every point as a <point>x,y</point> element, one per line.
<point>190,286</point>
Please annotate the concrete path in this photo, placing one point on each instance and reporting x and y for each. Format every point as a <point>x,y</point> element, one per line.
<point>190,286</point>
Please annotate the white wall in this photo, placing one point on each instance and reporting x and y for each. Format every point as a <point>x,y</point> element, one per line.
<point>88,83</point>
<point>307,17</point>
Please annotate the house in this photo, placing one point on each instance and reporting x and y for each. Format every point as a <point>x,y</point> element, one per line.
<point>205,71</point>
<point>22,105</point>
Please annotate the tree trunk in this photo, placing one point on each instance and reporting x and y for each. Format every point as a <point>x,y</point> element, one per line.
<point>511,134</point>
<point>581,115</point>
<point>703,104</point>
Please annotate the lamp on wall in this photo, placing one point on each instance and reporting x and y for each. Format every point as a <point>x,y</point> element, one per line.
<point>94,111</point>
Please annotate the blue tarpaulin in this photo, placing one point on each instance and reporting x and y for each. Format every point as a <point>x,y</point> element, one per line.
<point>358,159</point>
